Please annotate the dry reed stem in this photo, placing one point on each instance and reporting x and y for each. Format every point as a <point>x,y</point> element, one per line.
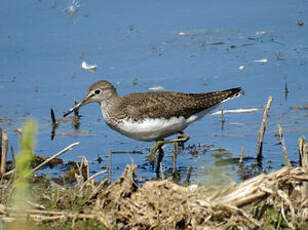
<point>305,166</point>
<point>43,215</point>
<point>290,225</point>
<point>97,174</point>
<point>54,156</point>
<point>0,140</point>
<point>259,186</point>
<point>19,131</point>
<point>85,164</point>
<point>13,155</point>
<point>301,143</point>
<point>240,163</point>
<point>92,177</point>
<point>284,149</point>
<point>284,197</point>
<point>187,180</point>
<point>109,167</point>
<point>243,213</point>
<point>4,153</point>
<point>262,130</point>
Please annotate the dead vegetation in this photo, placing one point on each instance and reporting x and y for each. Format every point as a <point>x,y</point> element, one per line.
<point>262,202</point>
<point>243,206</point>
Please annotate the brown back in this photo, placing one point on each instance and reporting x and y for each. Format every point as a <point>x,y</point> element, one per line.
<point>170,104</point>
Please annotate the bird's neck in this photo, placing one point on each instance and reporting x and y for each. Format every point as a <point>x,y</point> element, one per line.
<point>109,104</point>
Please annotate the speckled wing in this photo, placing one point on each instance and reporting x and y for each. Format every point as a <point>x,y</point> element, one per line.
<point>171,104</point>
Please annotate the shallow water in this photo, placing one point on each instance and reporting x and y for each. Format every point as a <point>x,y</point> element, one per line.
<point>193,47</point>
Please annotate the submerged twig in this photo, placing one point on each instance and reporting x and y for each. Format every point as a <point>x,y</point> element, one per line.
<point>123,151</point>
<point>54,124</point>
<point>53,117</point>
<point>262,130</point>
<point>284,149</point>
<point>286,91</point>
<point>175,151</point>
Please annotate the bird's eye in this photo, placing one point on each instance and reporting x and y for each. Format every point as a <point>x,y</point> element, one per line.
<point>97,91</point>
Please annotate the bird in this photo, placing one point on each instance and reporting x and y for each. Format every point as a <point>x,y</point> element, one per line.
<point>152,116</point>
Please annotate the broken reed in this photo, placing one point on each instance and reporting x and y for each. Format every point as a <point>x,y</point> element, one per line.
<point>4,150</point>
<point>284,149</point>
<point>303,156</point>
<point>262,131</point>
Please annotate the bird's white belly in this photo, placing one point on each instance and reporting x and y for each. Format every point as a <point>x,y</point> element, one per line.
<point>151,129</point>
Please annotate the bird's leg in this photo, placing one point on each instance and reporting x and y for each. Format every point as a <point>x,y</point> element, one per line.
<point>159,160</point>
<point>156,147</point>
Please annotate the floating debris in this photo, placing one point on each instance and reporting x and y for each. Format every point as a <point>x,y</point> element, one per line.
<point>53,4</point>
<point>264,60</point>
<point>182,33</point>
<point>299,107</point>
<point>157,88</point>
<point>86,66</point>
<point>236,111</point>
<point>216,43</point>
<point>158,50</point>
<point>72,9</point>
<point>260,32</point>
<point>241,67</point>
<point>135,80</point>
<point>300,23</point>
<point>131,27</point>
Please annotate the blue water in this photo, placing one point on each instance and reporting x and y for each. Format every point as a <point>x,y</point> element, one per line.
<point>182,46</point>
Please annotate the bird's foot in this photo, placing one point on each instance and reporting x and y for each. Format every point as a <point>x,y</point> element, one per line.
<point>182,137</point>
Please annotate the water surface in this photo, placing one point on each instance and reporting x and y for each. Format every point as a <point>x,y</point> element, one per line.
<point>181,46</point>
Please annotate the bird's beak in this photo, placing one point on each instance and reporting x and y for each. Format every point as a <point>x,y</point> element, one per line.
<point>85,101</point>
